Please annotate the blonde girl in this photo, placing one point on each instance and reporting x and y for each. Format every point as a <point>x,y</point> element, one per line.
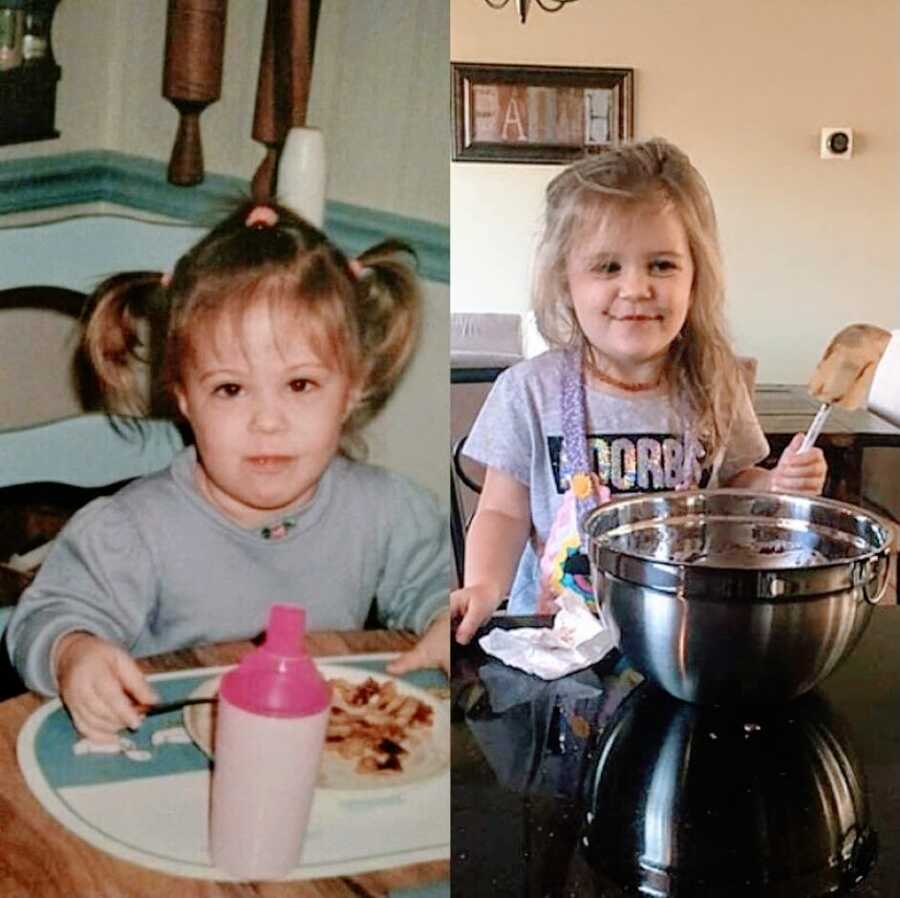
<point>639,391</point>
<point>276,351</point>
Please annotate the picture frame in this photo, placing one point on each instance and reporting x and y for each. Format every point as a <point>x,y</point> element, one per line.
<point>538,114</point>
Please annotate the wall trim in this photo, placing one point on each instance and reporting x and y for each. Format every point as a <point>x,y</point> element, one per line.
<point>135,182</point>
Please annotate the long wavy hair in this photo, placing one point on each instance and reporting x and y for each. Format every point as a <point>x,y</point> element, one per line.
<point>364,318</point>
<point>702,371</point>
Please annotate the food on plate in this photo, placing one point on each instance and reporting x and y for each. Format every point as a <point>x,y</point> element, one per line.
<point>375,724</point>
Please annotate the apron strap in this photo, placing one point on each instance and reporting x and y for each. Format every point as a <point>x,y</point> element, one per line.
<point>575,458</point>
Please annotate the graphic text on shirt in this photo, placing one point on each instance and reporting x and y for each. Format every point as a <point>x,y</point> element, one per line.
<point>641,462</point>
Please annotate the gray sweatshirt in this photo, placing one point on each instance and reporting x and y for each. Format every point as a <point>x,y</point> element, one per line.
<point>155,567</point>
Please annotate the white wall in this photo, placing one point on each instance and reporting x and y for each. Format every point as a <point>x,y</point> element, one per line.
<point>810,245</point>
<point>381,94</point>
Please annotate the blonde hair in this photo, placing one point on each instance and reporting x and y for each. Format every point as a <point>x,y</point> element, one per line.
<point>365,318</point>
<point>702,371</point>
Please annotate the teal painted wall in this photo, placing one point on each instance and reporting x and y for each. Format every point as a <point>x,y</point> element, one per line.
<point>53,183</point>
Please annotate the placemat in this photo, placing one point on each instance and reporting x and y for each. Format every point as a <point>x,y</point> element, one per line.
<point>149,805</point>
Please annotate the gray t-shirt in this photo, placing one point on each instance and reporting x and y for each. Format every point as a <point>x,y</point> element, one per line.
<point>155,567</point>
<point>636,445</point>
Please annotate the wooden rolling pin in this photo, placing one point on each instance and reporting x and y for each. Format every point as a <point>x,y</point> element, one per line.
<point>192,79</point>
<point>282,92</point>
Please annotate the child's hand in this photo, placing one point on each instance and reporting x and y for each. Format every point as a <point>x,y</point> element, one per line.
<point>475,605</point>
<point>432,650</point>
<point>799,472</point>
<point>99,682</point>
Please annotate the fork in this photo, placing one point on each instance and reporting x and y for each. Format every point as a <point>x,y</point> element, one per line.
<point>163,707</point>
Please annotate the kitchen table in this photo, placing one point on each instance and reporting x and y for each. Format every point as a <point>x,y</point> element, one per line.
<point>41,857</point>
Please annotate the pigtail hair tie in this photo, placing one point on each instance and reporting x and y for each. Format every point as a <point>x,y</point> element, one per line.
<point>261,217</point>
<point>358,269</point>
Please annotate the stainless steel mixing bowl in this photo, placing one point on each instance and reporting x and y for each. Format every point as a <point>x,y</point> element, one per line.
<point>724,596</point>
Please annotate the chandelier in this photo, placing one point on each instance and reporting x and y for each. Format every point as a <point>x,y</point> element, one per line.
<point>522,6</point>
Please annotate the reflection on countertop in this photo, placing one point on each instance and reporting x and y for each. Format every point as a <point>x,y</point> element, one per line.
<point>598,784</point>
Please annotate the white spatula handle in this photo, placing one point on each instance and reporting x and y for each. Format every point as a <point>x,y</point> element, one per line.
<point>815,428</point>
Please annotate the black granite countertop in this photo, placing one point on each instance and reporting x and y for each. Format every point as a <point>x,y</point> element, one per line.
<point>600,785</point>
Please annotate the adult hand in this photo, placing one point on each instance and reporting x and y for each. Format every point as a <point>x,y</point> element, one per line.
<point>473,606</point>
<point>432,650</point>
<point>799,472</point>
<point>100,684</point>
<point>844,374</point>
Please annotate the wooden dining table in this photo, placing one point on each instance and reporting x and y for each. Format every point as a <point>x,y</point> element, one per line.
<point>40,857</point>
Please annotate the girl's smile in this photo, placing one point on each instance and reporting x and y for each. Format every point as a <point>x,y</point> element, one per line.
<point>638,318</point>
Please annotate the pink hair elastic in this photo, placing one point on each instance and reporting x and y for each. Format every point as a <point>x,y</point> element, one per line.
<point>261,217</point>
<point>165,279</point>
<point>358,269</point>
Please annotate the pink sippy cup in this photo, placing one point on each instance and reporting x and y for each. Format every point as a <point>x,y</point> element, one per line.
<point>272,716</point>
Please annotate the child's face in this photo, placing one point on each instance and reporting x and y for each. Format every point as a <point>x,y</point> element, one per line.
<point>630,281</point>
<point>265,410</point>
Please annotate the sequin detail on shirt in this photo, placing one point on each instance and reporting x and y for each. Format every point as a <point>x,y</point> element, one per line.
<point>636,462</point>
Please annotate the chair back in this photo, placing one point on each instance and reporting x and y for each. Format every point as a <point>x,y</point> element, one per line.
<point>43,371</point>
<point>91,450</point>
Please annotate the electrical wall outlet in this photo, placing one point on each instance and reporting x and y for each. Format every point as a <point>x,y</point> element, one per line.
<point>836,143</point>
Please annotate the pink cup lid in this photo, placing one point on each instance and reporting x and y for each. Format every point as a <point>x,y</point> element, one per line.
<point>278,679</point>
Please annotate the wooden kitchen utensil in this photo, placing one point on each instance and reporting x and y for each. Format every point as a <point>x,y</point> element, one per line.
<point>282,92</point>
<point>192,79</point>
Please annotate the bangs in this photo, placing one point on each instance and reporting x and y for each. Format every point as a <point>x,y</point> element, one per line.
<point>306,302</point>
<point>595,211</point>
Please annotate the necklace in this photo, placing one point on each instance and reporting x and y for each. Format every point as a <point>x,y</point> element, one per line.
<point>627,386</point>
<point>279,530</point>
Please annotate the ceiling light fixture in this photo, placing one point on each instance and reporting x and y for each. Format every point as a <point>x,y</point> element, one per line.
<point>523,5</point>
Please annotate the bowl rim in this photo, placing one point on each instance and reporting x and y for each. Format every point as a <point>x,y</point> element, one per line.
<point>727,582</point>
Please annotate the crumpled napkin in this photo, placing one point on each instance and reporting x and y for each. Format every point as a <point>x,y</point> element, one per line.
<point>577,640</point>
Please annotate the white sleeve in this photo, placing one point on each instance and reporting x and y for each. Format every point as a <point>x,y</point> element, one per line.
<point>884,395</point>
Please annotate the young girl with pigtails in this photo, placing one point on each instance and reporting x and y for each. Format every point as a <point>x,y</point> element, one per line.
<point>277,351</point>
<point>640,390</point>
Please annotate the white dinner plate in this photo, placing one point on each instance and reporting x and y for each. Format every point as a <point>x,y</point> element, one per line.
<point>428,750</point>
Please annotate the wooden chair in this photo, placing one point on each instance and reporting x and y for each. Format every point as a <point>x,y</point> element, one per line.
<point>44,374</point>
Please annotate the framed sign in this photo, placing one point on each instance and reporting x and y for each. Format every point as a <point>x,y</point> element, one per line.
<point>507,113</point>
